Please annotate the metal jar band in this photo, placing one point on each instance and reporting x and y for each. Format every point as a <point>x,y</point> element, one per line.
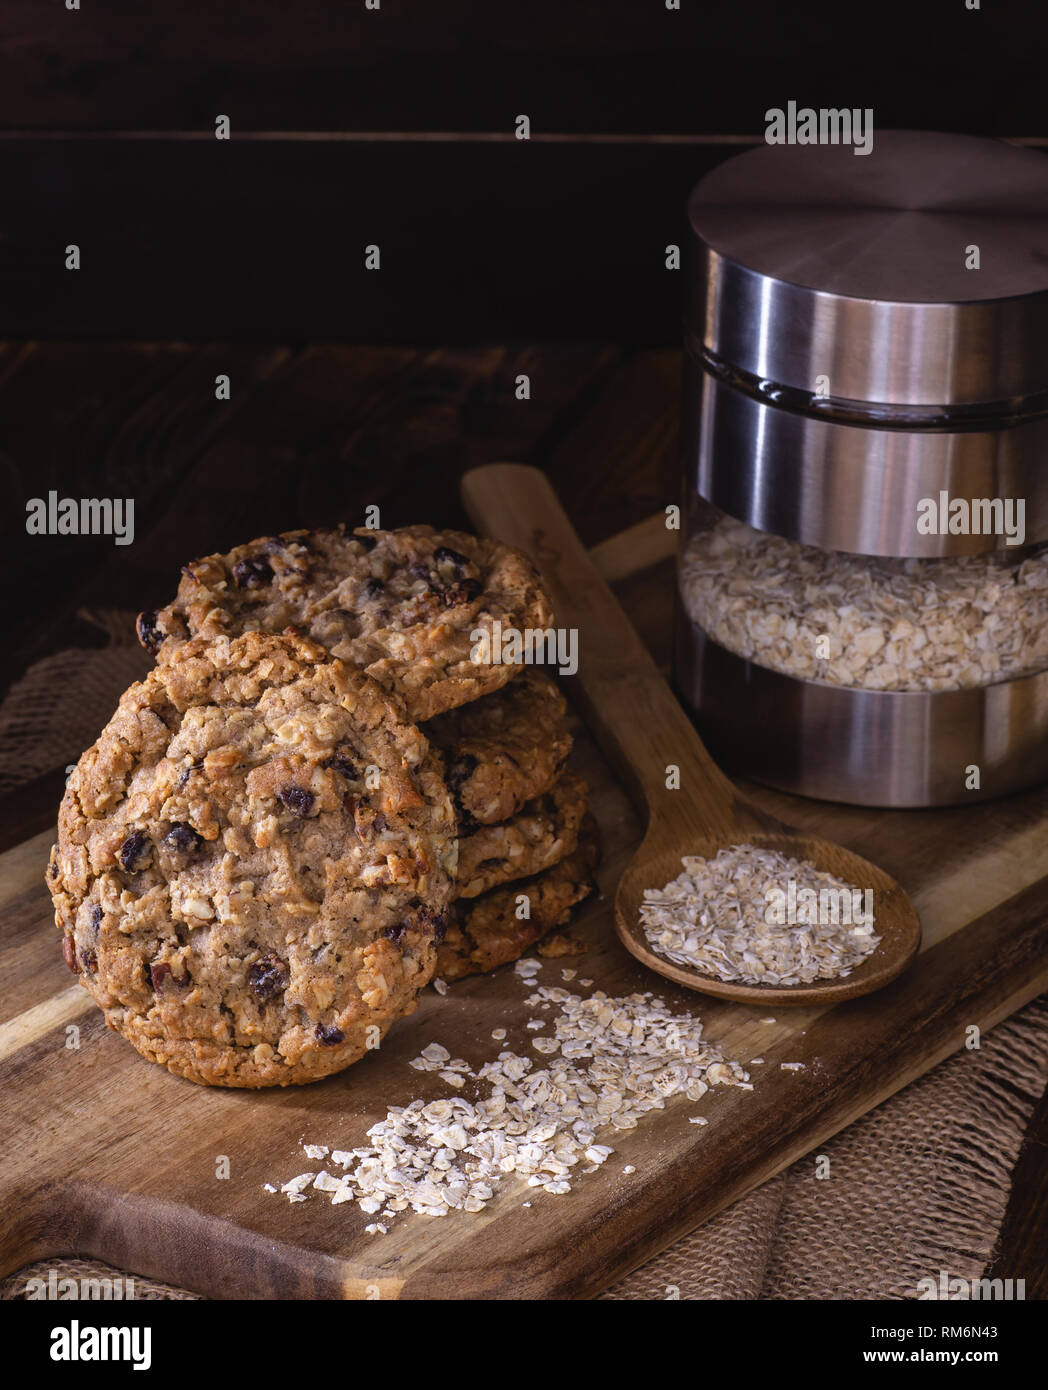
<point>863,747</point>
<point>855,488</point>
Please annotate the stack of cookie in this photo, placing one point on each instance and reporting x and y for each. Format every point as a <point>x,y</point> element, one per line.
<point>316,800</point>
<point>527,843</point>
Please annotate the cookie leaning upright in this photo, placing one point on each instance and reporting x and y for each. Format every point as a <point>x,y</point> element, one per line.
<point>252,862</point>
<point>401,605</point>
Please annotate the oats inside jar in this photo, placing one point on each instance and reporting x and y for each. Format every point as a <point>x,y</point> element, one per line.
<point>869,622</point>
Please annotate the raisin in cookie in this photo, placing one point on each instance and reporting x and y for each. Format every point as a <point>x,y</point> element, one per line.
<point>503,750</point>
<point>486,932</point>
<point>539,836</point>
<point>400,605</point>
<point>252,863</point>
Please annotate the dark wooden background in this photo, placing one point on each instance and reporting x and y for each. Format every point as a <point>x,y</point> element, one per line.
<point>395,127</point>
<point>354,126</point>
<point>311,435</point>
<point>471,65</point>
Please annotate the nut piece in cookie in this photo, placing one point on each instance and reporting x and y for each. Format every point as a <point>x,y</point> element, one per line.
<point>486,932</point>
<point>539,836</point>
<point>253,862</point>
<point>401,605</point>
<point>503,750</point>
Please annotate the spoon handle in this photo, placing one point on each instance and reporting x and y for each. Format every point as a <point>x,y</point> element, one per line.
<point>634,715</point>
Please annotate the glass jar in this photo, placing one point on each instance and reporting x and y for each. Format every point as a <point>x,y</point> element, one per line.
<point>864,420</point>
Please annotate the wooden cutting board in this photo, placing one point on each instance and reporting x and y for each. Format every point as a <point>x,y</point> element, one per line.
<point>106,1155</point>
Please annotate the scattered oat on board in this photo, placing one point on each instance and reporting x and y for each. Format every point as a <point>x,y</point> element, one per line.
<point>714,918</point>
<point>611,1062</point>
<point>886,624</point>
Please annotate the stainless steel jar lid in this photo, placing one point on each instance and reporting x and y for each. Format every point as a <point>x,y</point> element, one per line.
<point>811,261</point>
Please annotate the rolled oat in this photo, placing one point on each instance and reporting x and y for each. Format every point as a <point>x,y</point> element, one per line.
<point>617,1059</point>
<point>871,622</point>
<point>714,917</point>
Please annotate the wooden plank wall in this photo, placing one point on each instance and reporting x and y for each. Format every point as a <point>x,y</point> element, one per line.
<point>395,127</point>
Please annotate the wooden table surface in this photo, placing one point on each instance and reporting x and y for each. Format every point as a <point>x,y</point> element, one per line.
<point>312,434</point>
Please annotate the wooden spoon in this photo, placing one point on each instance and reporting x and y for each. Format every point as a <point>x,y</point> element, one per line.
<point>645,734</point>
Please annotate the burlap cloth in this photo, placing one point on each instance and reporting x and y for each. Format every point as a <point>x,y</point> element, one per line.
<point>917,1186</point>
